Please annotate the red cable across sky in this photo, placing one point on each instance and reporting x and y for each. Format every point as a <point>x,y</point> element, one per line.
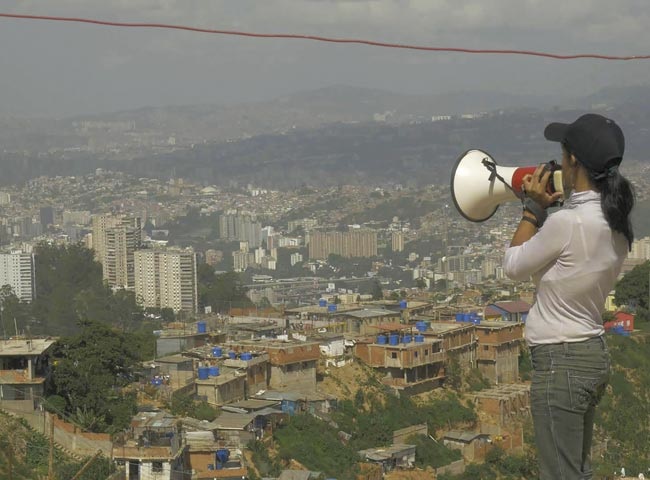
<point>317,38</point>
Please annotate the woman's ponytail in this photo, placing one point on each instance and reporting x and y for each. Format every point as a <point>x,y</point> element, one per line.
<point>616,200</point>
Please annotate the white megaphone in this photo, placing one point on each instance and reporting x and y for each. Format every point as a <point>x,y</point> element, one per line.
<point>479,186</point>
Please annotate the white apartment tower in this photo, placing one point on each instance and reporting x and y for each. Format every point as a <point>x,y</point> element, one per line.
<point>17,271</point>
<point>114,240</point>
<point>166,279</point>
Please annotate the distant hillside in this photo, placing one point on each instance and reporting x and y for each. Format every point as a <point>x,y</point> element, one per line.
<point>417,153</point>
<point>311,109</point>
<point>326,137</point>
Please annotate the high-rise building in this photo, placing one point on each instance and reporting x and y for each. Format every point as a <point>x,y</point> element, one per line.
<point>47,216</point>
<point>115,239</point>
<point>240,227</point>
<point>120,245</point>
<point>242,260</point>
<point>146,278</point>
<point>166,278</point>
<point>100,223</point>
<point>76,217</point>
<point>212,257</point>
<point>355,243</point>
<point>306,224</point>
<point>397,241</point>
<point>295,258</point>
<point>640,249</point>
<point>17,271</point>
<point>227,227</point>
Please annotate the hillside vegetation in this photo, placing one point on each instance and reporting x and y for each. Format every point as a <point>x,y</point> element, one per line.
<point>24,455</point>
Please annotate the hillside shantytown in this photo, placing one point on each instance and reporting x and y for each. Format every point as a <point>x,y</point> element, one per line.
<point>161,326</point>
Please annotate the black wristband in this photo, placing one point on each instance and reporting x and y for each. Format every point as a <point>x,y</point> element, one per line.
<point>536,209</point>
<point>528,219</point>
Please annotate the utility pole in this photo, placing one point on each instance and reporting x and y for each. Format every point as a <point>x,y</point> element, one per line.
<point>10,454</point>
<point>50,467</point>
<point>86,465</point>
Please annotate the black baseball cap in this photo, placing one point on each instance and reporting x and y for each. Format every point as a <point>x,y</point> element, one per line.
<point>596,141</point>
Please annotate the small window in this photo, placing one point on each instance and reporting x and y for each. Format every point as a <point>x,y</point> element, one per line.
<point>426,352</point>
<point>393,354</point>
<point>486,347</point>
<point>157,467</point>
<point>416,354</point>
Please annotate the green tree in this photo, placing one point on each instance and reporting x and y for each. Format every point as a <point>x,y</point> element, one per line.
<point>14,312</point>
<point>70,290</point>
<point>264,303</point>
<point>89,372</point>
<point>454,374</point>
<point>376,290</point>
<point>632,289</point>
<point>525,364</point>
<point>223,292</point>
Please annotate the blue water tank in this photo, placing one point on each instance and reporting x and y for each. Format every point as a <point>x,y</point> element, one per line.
<point>406,339</point>
<point>419,339</point>
<point>331,307</point>
<point>204,373</point>
<point>393,339</point>
<point>381,339</point>
<point>223,454</point>
<point>421,326</point>
<point>403,304</point>
<point>322,302</point>
<point>217,351</point>
<point>201,327</point>
<point>467,317</point>
<point>232,354</point>
<point>213,371</point>
<point>246,356</point>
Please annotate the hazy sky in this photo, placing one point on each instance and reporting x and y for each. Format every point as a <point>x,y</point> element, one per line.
<point>63,68</point>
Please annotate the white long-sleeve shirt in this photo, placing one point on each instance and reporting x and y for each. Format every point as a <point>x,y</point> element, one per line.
<point>574,260</point>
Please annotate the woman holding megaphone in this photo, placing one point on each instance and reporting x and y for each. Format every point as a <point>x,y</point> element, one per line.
<point>574,257</point>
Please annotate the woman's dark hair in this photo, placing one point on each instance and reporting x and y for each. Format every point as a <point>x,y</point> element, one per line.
<point>616,198</point>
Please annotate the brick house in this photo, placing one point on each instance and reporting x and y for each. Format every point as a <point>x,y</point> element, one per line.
<point>410,364</point>
<point>497,355</point>
<point>514,311</point>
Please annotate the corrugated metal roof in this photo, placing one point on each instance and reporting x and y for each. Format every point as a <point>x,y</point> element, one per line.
<point>233,421</point>
<point>458,436</point>
<point>516,306</point>
<point>371,313</point>
<point>386,453</point>
<point>254,404</point>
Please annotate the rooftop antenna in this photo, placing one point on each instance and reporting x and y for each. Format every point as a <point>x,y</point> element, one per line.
<point>29,339</point>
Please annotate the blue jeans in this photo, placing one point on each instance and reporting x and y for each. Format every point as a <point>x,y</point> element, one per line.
<point>569,380</point>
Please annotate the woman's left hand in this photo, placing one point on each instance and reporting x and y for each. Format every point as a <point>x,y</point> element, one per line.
<point>536,187</point>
